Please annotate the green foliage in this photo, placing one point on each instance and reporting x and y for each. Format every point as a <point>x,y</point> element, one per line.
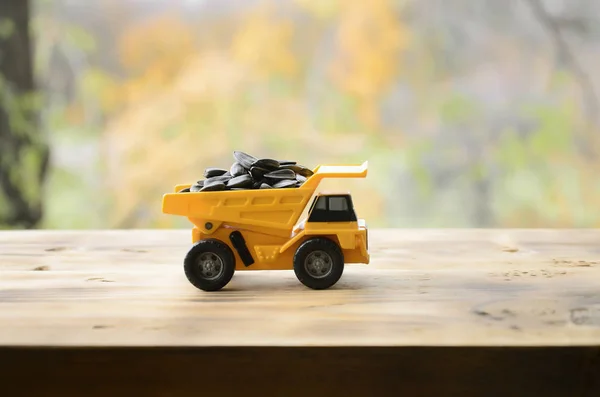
<point>71,204</point>
<point>95,83</point>
<point>552,137</point>
<point>544,177</point>
<point>4,204</point>
<point>560,79</point>
<point>510,153</point>
<point>79,38</point>
<point>477,172</point>
<point>554,132</point>
<point>31,163</point>
<point>20,108</point>
<point>7,28</point>
<point>23,163</point>
<point>458,108</point>
<point>415,166</point>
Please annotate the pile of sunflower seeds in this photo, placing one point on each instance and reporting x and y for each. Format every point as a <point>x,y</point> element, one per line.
<point>249,172</point>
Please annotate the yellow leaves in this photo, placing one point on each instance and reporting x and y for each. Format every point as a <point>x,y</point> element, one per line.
<point>161,44</point>
<point>263,43</point>
<point>371,39</point>
<point>155,52</point>
<point>209,76</point>
<point>321,9</point>
<point>182,106</point>
<point>168,137</point>
<point>101,86</point>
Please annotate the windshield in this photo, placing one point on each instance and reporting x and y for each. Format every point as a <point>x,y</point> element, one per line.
<point>313,204</point>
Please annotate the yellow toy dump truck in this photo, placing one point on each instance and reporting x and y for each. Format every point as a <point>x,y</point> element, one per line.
<point>260,230</point>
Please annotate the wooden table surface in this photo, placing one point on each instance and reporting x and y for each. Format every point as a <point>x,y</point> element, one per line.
<point>494,291</point>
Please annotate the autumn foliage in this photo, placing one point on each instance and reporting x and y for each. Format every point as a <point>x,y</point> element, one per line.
<point>335,82</point>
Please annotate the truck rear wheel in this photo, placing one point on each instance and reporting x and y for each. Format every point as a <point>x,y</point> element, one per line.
<point>318,263</point>
<point>209,265</point>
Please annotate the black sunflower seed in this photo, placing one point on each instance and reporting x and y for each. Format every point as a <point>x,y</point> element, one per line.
<point>293,167</point>
<point>249,172</point>
<point>244,159</point>
<point>281,174</point>
<point>217,179</point>
<point>237,169</point>
<point>240,181</point>
<point>285,183</point>
<point>258,172</point>
<point>298,169</point>
<point>305,172</point>
<point>269,164</point>
<point>196,187</point>
<point>213,187</point>
<point>213,171</point>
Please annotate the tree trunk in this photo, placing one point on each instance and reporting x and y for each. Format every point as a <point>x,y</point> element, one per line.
<point>23,151</point>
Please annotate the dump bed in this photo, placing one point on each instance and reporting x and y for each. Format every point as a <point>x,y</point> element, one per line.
<point>268,208</point>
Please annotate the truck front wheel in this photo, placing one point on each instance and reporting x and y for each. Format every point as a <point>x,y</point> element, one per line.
<point>318,263</point>
<point>209,265</point>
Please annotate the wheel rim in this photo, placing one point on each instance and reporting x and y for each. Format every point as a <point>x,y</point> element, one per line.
<point>318,264</point>
<point>209,266</point>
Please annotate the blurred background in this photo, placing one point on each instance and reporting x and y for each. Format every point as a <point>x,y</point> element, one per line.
<point>471,113</point>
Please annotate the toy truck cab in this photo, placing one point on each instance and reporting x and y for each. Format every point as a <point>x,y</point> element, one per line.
<point>331,207</point>
<point>260,230</point>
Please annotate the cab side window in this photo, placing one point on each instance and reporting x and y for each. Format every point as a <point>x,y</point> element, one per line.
<point>338,204</point>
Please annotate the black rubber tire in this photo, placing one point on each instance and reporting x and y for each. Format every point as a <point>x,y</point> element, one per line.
<point>319,244</point>
<point>218,248</point>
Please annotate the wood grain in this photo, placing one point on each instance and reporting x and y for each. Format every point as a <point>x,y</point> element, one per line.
<point>436,313</point>
<point>423,288</point>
